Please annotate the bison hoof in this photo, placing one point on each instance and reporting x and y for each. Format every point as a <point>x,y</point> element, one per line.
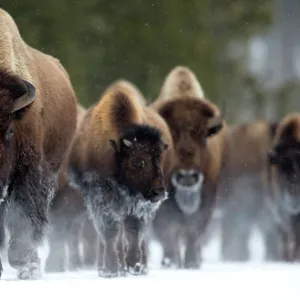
<point>192,265</point>
<point>107,273</point>
<point>30,271</point>
<point>123,272</point>
<point>136,270</point>
<point>75,267</point>
<point>145,271</point>
<point>168,264</point>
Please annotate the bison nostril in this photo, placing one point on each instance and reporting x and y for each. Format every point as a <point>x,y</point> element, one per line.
<point>157,194</point>
<point>187,177</point>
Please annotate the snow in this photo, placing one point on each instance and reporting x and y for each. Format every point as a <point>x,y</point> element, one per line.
<point>215,280</point>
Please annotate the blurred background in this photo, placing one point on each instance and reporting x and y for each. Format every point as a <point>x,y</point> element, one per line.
<point>244,52</point>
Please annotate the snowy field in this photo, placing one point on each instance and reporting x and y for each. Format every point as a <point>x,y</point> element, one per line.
<point>254,280</point>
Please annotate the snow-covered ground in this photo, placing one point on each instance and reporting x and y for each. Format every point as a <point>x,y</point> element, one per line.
<point>253,280</point>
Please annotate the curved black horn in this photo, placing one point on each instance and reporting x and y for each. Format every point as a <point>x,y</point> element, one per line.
<point>27,98</point>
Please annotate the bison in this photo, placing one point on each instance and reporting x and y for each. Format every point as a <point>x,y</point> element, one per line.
<point>242,190</point>
<point>68,218</point>
<point>199,137</point>
<point>35,135</point>
<point>284,185</point>
<point>119,158</point>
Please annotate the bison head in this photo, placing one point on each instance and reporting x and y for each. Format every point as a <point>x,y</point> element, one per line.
<point>15,96</point>
<point>285,157</point>
<point>192,122</point>
<point>139,160</point>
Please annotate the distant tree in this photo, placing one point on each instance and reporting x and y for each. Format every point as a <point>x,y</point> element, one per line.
<point>99,41</point>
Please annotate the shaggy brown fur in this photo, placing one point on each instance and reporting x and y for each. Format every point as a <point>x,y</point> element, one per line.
<point>199,136</point>
<point>34,140</point>
<point>242,190</point>
<point>284,185</point>
<point>119,157</point>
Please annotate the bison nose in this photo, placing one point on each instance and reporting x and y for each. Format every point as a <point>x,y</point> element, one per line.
<point>157,194</point>
<point>187,177</point>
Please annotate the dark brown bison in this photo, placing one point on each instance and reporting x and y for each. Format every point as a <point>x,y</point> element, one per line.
<point>243,193</point>
<point>37,123</point>
<point>69,218</point>
<point>199,137</point>
<point>284,184</point>
<point>120,155</point>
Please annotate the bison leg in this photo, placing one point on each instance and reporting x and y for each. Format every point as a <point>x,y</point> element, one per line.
<point>121,249</point>
<point>171,250</point>
<point>272,245</point>
<point>89,240</point>
<point>192,252</point>
<point>56,259</point>
<point>73,239</point>
<point>108,228</point>
<point>27,217</point>
<point>144,257</point>
<point>2,234</point>
<point>22,251</point>
<point>134,231</point>
<point>235,232</point>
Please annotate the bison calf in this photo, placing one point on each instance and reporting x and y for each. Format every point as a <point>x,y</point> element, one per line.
<point>37,123</point>
<point>118,161</point>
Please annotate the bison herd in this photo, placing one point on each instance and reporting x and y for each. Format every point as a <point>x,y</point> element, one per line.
<point>107,180</point>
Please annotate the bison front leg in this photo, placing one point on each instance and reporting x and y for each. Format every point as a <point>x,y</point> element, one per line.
<point>134,231</point>
<point>171,251</point>
<point>56,259</point>
<point>108,262</point>
<point>192,258</point>
<point>2,234</point>
<point>27,217</point>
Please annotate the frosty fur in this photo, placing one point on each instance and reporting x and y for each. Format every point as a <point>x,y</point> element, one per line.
<point>121,220</point>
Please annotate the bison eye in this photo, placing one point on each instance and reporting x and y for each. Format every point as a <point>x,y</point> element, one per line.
<point>9,133</point>
<point>139,164</point>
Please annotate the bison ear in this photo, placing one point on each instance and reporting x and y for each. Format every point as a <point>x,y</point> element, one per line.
<point>214,125</point>
<point>26,98</point>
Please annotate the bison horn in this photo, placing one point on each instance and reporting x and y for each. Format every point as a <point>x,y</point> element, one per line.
<point>127,143</point>
<point>25,99</point>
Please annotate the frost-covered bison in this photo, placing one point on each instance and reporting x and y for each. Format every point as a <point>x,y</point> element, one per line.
<point>120,156</point>
<point>199,137</point>
<point>37,123</point>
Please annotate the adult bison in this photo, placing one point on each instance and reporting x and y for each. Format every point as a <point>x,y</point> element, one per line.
<point>199,137</point>
<point>37,123</point>
<point>243,193</point>
<point>120,155</point>
<point>69,219</point>
<point>284,184</point>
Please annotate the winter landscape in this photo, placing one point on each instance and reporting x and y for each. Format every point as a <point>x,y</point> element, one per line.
<point>215,280</point>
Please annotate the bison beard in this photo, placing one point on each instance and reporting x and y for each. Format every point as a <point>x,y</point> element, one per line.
<point>187,186</point>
